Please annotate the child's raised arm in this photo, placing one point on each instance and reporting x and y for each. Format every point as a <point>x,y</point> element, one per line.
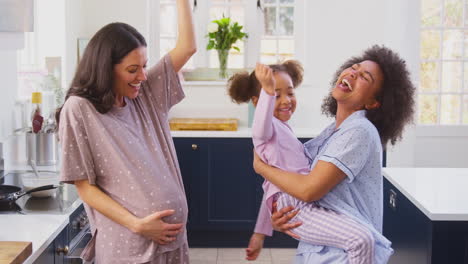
<point>265,76</point>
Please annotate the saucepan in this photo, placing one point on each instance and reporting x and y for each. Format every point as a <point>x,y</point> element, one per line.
<point>11,193</point>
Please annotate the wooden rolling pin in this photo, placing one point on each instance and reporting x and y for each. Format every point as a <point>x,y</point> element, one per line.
<point>14,252</point>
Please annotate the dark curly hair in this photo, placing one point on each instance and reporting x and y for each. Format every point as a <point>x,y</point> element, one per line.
<point>94,75</point>
<point>243,86</point>
<point>396,97</point>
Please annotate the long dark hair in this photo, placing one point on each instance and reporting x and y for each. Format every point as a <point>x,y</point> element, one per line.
<point>94,75</point>
<point>396,96</point>
<point>243,86</point>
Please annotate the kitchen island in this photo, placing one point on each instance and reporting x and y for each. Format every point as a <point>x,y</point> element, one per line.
<point>426,214</point>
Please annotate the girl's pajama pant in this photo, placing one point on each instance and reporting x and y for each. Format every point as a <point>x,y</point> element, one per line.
<point>324,227</point>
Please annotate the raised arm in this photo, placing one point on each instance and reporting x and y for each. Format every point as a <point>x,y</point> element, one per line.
<point>262,127</point>
<point>186,45</point>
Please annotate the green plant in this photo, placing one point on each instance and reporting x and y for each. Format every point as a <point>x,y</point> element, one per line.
<point>223,34</point>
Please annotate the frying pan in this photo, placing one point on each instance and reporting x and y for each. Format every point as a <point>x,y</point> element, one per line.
<point>10,193</point>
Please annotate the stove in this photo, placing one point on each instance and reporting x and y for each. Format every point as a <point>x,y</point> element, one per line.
<point>60,203</point>
<point>66,202</point>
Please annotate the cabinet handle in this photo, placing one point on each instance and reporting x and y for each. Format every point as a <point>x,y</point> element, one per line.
<point>194,146</point>
<point>61,251</point>
<point>392,199</point>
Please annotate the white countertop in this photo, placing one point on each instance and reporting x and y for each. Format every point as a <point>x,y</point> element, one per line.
<point>440,193</point>
<point>40,229</point>
<point>242,132</point>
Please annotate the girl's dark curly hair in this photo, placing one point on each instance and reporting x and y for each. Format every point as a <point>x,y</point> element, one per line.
<point>94,75</point>
<point>396,95</point>
<point>243,86</point>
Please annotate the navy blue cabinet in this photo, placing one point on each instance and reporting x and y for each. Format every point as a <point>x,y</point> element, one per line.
<point>417,239</point>
<point>53,254</point>
<point>223,192</point>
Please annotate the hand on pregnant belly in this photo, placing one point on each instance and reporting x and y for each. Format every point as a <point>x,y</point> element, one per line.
<point>154,228</point>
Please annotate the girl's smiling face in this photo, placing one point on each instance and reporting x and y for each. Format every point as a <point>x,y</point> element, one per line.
<point>285,104</point>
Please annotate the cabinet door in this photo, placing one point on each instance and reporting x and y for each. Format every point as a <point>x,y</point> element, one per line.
<point>409,230</point>
<point>48,256</point>
<point>193,159</point>
<point>231,189</point>
<point>223,191</point>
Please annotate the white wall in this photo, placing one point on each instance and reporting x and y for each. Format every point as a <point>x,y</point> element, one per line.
<point>86,17</point>
<point>9,44</point>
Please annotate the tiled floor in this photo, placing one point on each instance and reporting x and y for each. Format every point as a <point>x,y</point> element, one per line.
<point>237,256</point>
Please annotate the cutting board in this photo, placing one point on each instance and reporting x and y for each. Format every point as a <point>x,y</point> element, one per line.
<point>14,252</point>
<point>223,124</point>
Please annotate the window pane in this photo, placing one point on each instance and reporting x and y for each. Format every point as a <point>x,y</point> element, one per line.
<point>430,13</point>
<point>217,12</point>
<point>285,49</point>
<point>268,59</point>
<point>270,21</point>
<point>465,109</point>
<point>466,42</point>
<point>268,47</point>
<point>428,109</point>
<point>465,76</point>
<point>466,14</point>
<point>237,14</point>
<point>453,13</point>
<point>168,19</point>
<point>166,46</point>
<point>218,2</point>
<point>452,46</point>
<point>236,58</point>
<point>430,44</point>
<point>286,1</point>
<point>270,1</point>
<point>429,77</point>
<point>450,109</point>
<point>286,21</point>
<point>214,62</point>
<point>451,76</point>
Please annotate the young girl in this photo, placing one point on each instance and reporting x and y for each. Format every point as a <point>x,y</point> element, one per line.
<point>271,89</point>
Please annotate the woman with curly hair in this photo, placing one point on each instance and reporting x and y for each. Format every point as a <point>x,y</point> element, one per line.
<point>372,99</point>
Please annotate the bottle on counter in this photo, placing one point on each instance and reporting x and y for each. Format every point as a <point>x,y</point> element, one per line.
<point>36,116</point>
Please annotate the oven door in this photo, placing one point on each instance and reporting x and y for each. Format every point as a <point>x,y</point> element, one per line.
<point>77,245</point>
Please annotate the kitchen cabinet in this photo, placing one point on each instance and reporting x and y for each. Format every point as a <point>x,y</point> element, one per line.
<point>50,254</point>
<point>223,192</point>
<point>421,233</point>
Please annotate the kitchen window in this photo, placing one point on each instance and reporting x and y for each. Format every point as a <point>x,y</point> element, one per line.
<point>271,24</point>
<point>443,86</point>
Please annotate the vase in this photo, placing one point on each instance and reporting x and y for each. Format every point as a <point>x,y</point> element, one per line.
<point>223,58</point>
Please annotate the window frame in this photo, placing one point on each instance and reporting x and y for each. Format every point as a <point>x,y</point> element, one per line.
<point>251,25</point>
<point>463,92</point>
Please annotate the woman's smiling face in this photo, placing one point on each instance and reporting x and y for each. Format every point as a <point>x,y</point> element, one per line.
<point>129,74</point>
<point>358,86</point>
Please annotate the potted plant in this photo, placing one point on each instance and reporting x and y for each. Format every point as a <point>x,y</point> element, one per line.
<point>222,35</point>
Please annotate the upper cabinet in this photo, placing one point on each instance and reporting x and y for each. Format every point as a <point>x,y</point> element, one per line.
<point>16,15</point>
